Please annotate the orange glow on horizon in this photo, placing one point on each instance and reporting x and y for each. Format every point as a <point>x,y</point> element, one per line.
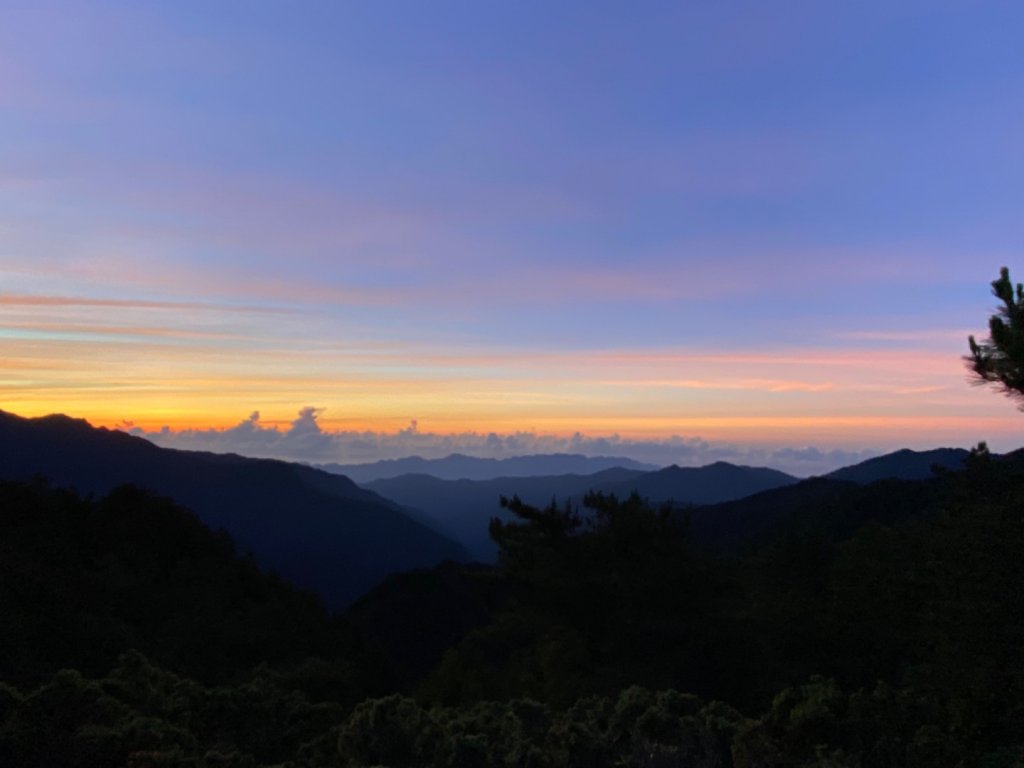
<point>824,431</point>
<point>149,365</point>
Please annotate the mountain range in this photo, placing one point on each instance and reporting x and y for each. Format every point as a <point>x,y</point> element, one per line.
<point>318,530</point>
<point>462,509</point>
<point>900,591</point>
<point>322,531</point>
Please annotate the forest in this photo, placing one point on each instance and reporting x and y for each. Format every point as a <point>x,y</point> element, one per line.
<point>882,630</point>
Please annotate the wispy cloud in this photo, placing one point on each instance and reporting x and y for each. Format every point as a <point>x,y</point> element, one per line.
<point>71,330</point>
<point>760,385</point>
<point>28,300</point>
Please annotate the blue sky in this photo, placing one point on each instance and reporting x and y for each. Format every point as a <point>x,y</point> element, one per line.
<point>746,222</point>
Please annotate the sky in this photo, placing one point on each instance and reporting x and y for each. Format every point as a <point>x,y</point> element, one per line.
<point>678,231</point>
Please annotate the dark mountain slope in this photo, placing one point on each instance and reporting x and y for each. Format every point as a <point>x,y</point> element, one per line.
<point>318,530</point>
<point>460,467</point>
<point>903,464</point>
<point>82,580</point>
<point>731,522</point>
<point>818,506</point>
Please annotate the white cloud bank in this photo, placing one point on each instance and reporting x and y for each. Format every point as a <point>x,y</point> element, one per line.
<point>305,440</point>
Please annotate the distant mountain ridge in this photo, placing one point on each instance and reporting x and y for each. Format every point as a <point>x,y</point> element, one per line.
<point>731,502</point>
<point>319,530</point>
<point>458,466</point>
<point>462,509</point>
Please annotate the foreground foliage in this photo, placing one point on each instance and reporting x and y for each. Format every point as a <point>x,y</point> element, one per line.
<point>139,715</point>
<point>84,579</point>
<point>882,629</point>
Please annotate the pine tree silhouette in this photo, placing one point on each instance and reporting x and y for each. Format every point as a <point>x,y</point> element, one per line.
<point>999,360</point>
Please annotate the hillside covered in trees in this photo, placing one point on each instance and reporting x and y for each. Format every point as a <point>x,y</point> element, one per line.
<point>318,530</point>
<point>869,625</point>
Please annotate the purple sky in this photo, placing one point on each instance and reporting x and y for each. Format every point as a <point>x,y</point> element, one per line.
<point>760,226</point>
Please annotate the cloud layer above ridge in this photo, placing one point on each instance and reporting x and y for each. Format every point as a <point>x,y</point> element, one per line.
<point>306,441</point>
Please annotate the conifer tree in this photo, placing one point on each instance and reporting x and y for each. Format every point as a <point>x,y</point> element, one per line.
<point>999,360</point>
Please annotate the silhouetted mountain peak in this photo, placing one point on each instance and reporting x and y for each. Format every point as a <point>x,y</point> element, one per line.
<point>459,466</point>
<point>720,481</point>
<point>54,421</point>
<point>64,427</point>
<point>717,469</point>
<point>318,529</point>
<point>61,419</point>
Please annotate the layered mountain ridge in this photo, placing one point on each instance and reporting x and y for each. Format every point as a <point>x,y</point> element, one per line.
<point>318,530</point>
